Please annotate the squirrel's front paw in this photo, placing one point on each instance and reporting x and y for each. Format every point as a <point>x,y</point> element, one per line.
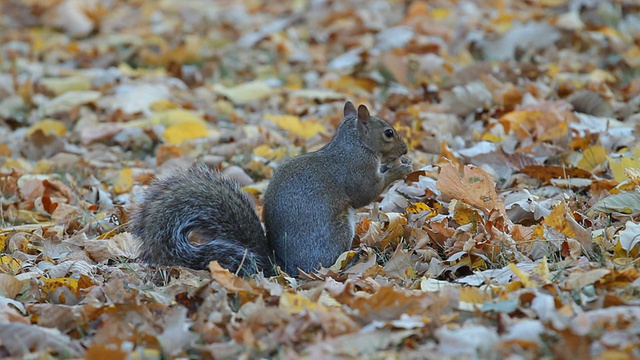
<point>405,169</point>
<point>401,161</point>
<point>397,169</point>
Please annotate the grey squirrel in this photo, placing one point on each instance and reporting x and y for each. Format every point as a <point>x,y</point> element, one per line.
<point>197,215</point>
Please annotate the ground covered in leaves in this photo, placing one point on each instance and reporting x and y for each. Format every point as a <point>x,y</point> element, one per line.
<point>516,236</point>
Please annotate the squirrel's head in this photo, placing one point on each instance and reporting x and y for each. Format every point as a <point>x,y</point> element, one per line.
<point>376,134</point>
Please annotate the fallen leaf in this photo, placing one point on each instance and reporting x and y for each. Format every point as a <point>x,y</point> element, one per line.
<point>630,238</point>
<point>625,202</point>
<point>546,173</point>
<point>48,127</point>
<point>245,93</point>
<point>187,130</point>
<point>305,129</point>
<point>65,84</point>
<point>124,181</point>
<point>296,303</point>
<point>473,186</point>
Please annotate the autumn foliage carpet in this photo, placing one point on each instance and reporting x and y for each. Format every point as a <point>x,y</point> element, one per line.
<point>515,237</point>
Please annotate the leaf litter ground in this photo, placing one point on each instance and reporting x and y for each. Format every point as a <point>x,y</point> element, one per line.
<point>516,236</point>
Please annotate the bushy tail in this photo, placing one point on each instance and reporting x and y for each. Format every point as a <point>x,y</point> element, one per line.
<point>234,257</point>
<point>193,216</point>
<point>170,244</point>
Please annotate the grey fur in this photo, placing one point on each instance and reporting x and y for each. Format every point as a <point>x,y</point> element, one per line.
<point>310,201</point>
<point>200,201</point>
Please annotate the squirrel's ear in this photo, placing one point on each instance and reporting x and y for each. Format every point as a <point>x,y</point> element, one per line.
<point>363,114</point>
<point>349,109</point>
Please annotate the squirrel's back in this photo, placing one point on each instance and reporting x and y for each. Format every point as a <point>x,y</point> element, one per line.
<point>196,215</point>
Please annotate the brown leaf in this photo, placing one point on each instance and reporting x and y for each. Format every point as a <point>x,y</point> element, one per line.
<point>471,185</point>
<point>548,172</point>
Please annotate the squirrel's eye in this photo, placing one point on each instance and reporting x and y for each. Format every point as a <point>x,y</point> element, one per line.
<point>388,133</point>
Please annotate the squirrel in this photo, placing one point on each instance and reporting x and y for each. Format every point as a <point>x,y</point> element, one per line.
<point>196,215</point>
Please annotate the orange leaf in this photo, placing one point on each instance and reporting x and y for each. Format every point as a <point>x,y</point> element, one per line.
<point>548,172</point>
<point>473,186</point>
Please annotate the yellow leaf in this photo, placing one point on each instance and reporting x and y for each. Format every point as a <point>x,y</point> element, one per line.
<point>43,39</point>
<point>174,116</point>
<point>70,83</point>
<point>524,278</point>
<point>141,71</point>
<point>427,211</point>
<point>167,118</point>
<point>22,216</point>
<point>540,273</point>
<point>440,13</point>
<point>552,3</point>
<point>264,151</point>
<point>418,207</point>
<point>463,214</point>
<point>294,303</point>
<point>247,92</point>
<point>618,167</point>
<point>492,138</point>
<point>632,56</point>
<point>628,244</point>
<point>592,157</point>
<point>557,220</point>
<point>350,84</point>
<point>60,290</point>
<point>504,21</point>
<point>513,286</point>
<point>474,262</point>
<point>610,32</point>
<point>552,70</point>
<point>164,104</point>
<point>48,127</point>
<point>7,263</point>
<point>3,239</point>
<point>554,132</point>
<point>538,232</point>
<point>343,260</point>
<point>473,295</point>
<point>188,51</point>
<point>188,130</point>
<point>305,129</point>
<point>42,167</point>
<point>294,82</point>
<point>546,125</point>
<point>600,76</point>
<point>124,182</point>
<point>633,174</point>
<point>620,253</point>
<point>614,355</point>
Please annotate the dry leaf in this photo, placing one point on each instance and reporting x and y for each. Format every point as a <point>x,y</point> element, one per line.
<point>305,129</point>
<point>473,186</point>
